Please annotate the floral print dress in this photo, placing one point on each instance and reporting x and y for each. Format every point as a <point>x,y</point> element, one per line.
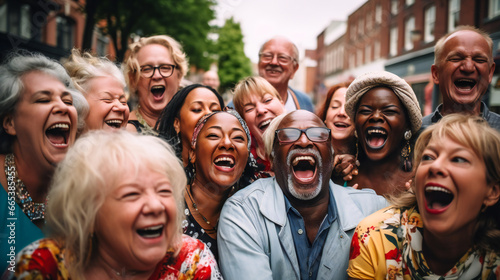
<point>388,245</point>
<point>44,259</point>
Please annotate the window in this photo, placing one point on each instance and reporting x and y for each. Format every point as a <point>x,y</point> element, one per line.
<point>409,2</point>
<point>376,50</point>
<point>359,58</point>
<point>25,28</point>
<point>64,32</point>
<point>369,18</point>
<point>453,14</point>
<point>368,53</point>
<point>351,61</point>
<point>361,26</point>
<point>394,6</point>
<point>430,21</point>
<point>378,13</point>
<point>353,32</point>
<point>393,47</point>
<point>102,44</point>
<point>494,9</point>
<point>409,27</point>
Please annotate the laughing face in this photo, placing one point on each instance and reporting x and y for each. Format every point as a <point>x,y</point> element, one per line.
<point>45,121</point>
<point>143,211</point>
<point>221,152</point>
<point>451,187</point>
<point>274,72</point>
<point>303,167</point>
<point>336,117</point>
<point>108,104</point>
<point>155,92</point>
<point>464,71</point>
<point>381,123</point>
<point>259,111</point>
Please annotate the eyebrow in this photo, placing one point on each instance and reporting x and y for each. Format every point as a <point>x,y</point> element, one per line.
<point>220,128</point>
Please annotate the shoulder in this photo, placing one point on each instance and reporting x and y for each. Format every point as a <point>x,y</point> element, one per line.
<point>254,191</point>
<point>42,257</point>
<point>364,198</point>
<point>304,100</point>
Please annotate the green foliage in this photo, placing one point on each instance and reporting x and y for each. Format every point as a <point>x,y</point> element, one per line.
<point>232,63</point>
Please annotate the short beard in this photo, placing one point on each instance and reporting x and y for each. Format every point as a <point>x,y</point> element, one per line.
<point>319,164</point>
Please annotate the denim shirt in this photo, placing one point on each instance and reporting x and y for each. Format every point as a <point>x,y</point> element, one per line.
<point>309,255</point>
<point>492,118</point>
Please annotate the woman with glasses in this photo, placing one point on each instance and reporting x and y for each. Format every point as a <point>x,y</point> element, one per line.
<point>387,116</point>
<point>154,69</point>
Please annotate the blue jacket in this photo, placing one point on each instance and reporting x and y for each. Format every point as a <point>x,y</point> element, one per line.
<point>255,240</point>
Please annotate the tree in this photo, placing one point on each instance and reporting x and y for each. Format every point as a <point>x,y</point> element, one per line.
<point>187,21</point>
<point>233,64</point>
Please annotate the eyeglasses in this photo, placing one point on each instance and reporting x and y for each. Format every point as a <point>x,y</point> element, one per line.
<point>282,58</point>
<point>314,134</point>
<point>166,70</point>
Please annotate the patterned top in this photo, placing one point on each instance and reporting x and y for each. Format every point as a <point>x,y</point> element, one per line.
<point>388,245</point>
<point>192,228</point>
<point>44,259</point>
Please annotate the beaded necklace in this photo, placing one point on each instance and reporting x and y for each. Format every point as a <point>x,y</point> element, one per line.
<point>210,230</point>
<point>148,130</point>
<point>34,210</point>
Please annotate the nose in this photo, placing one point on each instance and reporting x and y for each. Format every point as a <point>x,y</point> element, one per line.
<point>274,60</point>
<point>438,167</point>
<point>156,74</point>
<point>119,106</point>
<point>226,143</point>
<point>342,111</point>
<point>260,108</point>
<point>153,205</point>
<point>303,141</point>
<point>61,107</point>
<point>376,116</point>
<point>467,65</point>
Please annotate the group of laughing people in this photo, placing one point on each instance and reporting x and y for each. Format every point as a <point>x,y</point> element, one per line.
<point>185,187</point>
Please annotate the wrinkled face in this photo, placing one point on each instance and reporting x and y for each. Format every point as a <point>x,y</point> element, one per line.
<point>199,102</point>
<point>380,123</point>
<point>336,117</point>
<point>108,104</point>
<point>259,111</point>
<point>303,167</point>
<point>45,121</point>
<point>465,69</point>
<point>275,72</point>
<point>451,186</point>
<point>221,152</point>
<point>155,92</point>
<point>211,79</point>
<point>136,224</point>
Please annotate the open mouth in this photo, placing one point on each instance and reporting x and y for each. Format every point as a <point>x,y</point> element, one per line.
<point>304,167</point>
<point>158,91</point>
<point>438,198</point>
<point>341,124</point>
<point>58,134</point>
<point>224,162</point>
<point>151,232</point>
<point>465,84</point>
<point>263,125</point>
<point>114,123</point>
<point>376,138</point>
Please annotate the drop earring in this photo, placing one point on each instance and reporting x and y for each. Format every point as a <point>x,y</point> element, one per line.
<point>406,151</point>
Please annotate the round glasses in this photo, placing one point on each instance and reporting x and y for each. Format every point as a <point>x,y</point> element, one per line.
<point>282,58</point>
<point>314,134</point>
<point>166,70</point>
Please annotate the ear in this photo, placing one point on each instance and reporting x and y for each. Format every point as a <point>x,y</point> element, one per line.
<point>177,125</point>
<point>492,71</point>
<point>132,80</point>
<point>295,68</point>
<point>434,72</point>
<point>8,125</point>
<point>493,195</point>
<point>192,156</point>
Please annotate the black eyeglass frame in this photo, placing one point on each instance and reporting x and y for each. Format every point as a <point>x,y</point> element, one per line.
<point>305,131</point>
<point>159,70</point>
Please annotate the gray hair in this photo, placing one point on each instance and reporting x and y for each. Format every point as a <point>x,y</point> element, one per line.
<point>11,87</point>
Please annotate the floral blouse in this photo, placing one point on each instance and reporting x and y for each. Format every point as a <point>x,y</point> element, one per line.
<point>44,259</point>
<point>388,245</point>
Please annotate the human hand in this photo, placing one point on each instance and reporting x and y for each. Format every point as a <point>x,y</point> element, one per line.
<point>345,166</point>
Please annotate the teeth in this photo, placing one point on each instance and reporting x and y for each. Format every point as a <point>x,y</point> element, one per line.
<point>466,80</point>
<point>60,126</point>
<point>158,227</point>
<point>265,123</point>
<point>114,121</point>
<point>436,189</point>
<point>379,131</point>
<point>157,87</point>
<point>311,160</point>
<point>230,160</point>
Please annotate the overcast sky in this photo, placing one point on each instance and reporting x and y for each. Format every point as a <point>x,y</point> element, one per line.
<point>299,20</point>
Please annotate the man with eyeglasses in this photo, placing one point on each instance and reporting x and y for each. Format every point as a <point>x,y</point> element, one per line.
<point>298,224</point>
<point>278,62</point>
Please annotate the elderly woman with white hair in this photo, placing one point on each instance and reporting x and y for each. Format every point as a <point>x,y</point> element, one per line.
<point>118,217</point>
<point>40,112</point>
<point>387,116</point>
<point>103,85</point>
